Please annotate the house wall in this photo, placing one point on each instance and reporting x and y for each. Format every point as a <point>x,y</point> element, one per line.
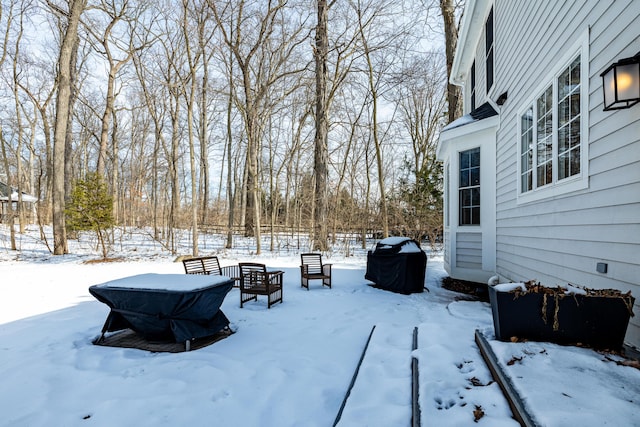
<point>559,238</point>
<point>470,249</point>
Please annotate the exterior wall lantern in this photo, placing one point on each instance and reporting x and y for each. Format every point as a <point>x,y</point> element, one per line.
<point>621,83</point>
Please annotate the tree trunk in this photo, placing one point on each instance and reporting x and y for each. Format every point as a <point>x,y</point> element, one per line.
<point>448,10</point>
<point>65,65</point>
<point>230,193</point>
<point>10,215</point>
<point>374,130</point>
<point>321,155</point>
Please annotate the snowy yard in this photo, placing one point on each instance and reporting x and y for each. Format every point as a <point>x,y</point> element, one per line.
<point>287,366</point>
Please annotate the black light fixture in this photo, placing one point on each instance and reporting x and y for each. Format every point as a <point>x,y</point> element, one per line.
<point>621,83</point>
<point>502,98</point>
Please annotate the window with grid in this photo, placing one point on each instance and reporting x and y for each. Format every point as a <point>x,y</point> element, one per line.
<point>526,150</point>
<point>446,194</point>
<point>469,187</point>
<point>569,121</point>
<point>473,86</point>
<point>488,39</point>
<point>550,140</point>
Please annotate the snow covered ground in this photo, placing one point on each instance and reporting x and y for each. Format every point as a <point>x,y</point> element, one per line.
<point>290,365</point>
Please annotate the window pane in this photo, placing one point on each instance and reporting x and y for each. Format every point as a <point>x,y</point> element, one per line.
<point>464,178</point>
<point>563,112</point>
<point>575,132</point>
<point>540,171</point>
<point>490,69</point>
<point>464,160</point>
<point>525,142</point>
<point>575,161</point>
<point>475,196</point>
<point>549,98</point>
<point>564,84</point>
<point>466,197</point>
<point>527,120</point>
<point>489,31</point>
<point>475,176</point>
<point>465,217</point>
<point>575,104</point>
<point>475,158</point>
<point>548,123</point>
<point>541,107</point>
<point>575,72</point>
<point>563,166</point>
<point>476,215</point>
<point>563,139</point>
<point>527,181</point>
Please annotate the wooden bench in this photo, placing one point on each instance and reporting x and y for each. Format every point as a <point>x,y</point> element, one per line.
<point>210,265</point>
<point>256,280</point>
<point>312,268</point>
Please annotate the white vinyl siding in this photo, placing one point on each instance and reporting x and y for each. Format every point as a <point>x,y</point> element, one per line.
<point>557,233</point>
<point>469,250</point>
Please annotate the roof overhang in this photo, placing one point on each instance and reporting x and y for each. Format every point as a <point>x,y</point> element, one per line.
<point>473,19</point>
<point>483,118</point>
<point>28,198</point>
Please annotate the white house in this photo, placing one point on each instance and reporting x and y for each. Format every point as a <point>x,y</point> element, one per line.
<point>540,181</point>
<point>27,200</point>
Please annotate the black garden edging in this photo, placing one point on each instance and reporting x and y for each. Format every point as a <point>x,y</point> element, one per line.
<point>353,379</point>
<point>415,383</point>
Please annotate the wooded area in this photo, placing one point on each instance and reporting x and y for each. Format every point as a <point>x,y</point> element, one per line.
<point>315,116</point>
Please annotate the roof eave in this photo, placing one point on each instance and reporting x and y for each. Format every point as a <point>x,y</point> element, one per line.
<point>473,19</point>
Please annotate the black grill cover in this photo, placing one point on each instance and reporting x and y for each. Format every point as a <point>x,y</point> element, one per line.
<point>398,265</point>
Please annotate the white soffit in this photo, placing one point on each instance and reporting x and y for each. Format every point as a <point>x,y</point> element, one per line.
<point>471,28</point>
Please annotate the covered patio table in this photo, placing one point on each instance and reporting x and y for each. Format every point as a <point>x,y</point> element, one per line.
<point>176,307</point>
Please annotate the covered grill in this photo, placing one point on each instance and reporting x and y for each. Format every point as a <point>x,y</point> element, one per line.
<point>398,265</point>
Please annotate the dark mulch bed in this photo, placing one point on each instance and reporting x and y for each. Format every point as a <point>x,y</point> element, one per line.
<point>472,290</point>
<point>130,339</point>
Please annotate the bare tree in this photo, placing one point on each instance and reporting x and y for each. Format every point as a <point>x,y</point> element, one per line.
<point>114,42</point>
<point>321,151</point>
<point>189,82</point>
<point>262,64</point>
<point>449,8</point>
<point>65,66</point>
<point>367,15</point>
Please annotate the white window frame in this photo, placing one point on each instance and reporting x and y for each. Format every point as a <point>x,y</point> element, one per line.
<point>576,182</point>
<point>470,187</point>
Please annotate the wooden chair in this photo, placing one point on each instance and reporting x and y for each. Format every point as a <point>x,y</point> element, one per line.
<point>256,280</point>
<point>211,265</point>
<point>202,265</point>
<point>312,268</point>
